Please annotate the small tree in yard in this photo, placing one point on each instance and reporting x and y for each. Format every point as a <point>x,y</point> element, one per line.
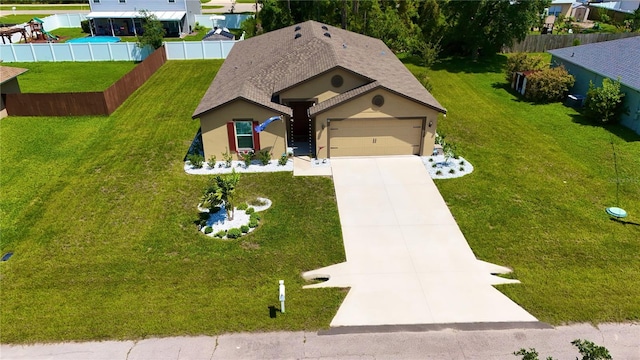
<point>522,62</point>
<point>221,189</point>
<point>551,84</point>
<point>604,104</point>
<point>152,31</point>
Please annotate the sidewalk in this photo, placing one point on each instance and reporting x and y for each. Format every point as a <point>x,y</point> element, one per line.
<point>620,339</point>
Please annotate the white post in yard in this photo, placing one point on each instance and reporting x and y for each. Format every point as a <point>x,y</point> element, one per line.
<point>281,296</point>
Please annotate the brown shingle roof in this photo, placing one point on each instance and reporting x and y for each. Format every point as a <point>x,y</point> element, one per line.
<point>7,73</point>
<point>259,68</point>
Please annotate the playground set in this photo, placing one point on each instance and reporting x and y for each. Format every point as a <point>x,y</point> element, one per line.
<point>32,31</point>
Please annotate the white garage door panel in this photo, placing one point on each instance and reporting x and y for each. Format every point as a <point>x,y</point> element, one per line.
<point>358,137</point>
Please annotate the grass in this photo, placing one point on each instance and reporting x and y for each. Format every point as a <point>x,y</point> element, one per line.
<point>8,7</point>
<point>44,77</point>
<point>536,200</point>
<point>212,6</point>
<point>100,216</point>
<point>20,18</point>
<point>68,33</point>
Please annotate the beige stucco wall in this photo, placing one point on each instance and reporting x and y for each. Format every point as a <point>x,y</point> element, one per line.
<point>320,88</point>
<point>214,128</point>
<point>394,107</point>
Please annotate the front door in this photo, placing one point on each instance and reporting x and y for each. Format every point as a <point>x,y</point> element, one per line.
<point>301,128</point>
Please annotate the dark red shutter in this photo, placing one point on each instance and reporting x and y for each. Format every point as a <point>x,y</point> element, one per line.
<point>256,137</point>
<point>231,131</point>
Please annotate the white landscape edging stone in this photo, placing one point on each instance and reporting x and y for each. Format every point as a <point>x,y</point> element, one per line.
<point>239,167</point>
<point>454,164</point>
<point>219,222</point>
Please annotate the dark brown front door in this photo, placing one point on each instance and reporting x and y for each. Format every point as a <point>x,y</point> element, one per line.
<point>301,123</point>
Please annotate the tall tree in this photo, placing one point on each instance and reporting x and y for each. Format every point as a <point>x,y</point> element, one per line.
<point>483,27</point>
<point>152,31</point>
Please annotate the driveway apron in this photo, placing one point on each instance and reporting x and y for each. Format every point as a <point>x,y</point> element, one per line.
<point>407,260</point>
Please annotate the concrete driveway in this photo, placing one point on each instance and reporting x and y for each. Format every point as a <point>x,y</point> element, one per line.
<point>407,260</point>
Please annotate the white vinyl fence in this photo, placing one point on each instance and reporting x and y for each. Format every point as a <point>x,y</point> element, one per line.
<point>121,51</point>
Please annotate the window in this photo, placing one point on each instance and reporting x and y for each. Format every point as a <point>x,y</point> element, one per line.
<point>96,1</point>
<point>172,1</point>
<point>244,134</point>
<point>122,1</point>
<point>555,10</point>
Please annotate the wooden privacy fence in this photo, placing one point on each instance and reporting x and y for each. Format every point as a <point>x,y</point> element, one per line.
<point>542,43</point>
<point>86,103</point>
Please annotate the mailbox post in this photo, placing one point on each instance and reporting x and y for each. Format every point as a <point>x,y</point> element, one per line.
<point>281,295</point>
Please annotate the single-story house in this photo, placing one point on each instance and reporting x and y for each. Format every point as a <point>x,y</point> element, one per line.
<point>332,93</point>
<point>618,11</point>
<point>9,83</point>
<point>615,59</point>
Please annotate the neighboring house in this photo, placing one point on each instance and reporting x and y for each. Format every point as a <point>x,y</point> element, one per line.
<point>337,93</point>
<point>615,59</point>
<point>616,10</point>
<point>122,17</point>
<point>569,8</point>
<point>8,83</point>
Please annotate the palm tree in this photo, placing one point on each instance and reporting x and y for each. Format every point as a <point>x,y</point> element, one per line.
<point>226,187</point>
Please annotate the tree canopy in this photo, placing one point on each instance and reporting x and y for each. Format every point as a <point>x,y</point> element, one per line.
<point>469,28</point>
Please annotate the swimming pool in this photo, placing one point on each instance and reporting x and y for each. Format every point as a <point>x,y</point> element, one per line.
<point>95,39</point>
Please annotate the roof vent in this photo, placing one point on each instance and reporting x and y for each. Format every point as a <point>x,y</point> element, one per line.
<point>297,28</point>
<point>297,35</point>
<point>344,46</point>
<point>378,100</point>
<point>337,81</point>
<point>327,34</point>
<point>324,27</point>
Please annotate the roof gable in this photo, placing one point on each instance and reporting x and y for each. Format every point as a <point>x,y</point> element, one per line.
<point>7,73</point>
<point>614,59</point>
<point>260,67</point>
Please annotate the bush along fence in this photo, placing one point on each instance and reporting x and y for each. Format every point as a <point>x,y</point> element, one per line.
<point>89,103</point>
<point>542,43</point>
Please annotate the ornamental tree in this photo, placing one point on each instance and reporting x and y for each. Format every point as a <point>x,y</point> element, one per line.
<point>604,104</point>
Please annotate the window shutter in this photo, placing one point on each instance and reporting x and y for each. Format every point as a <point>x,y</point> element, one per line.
<point>231,131</point>
<point>256,137</point>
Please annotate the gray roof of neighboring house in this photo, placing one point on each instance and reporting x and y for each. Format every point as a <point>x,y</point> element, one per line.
<point>257,69</point>
<point>7,73</point>
<point>614,59</point>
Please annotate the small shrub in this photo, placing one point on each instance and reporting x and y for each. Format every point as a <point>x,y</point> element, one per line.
<point>434,165</point>
<point>208,230</point>
<point>244,229</point>
<point>461,162</point>
<point>604,104</point>
<point>430,159</point>
<point>203,222</point>
<point>195,160</point>
<point>253,223</point>
<point>461,168</point>
<point>255,216</point>
<point>220,234</point>
<point>227,158</point>
<point>452,171</point>
<point>456,157</point>
<point>576,42</point>
<point>212,161</point>
<point>243,206</point>
<point>440,136</point>
<point>247,157</point>
<point>424,80</point>
<point>265,157</point>
<point>438,172</point>
<point>283,160</point>
<point>549,85</point>
<point>234,233</point>
<point>250,211</point>
<point>84,24</point>
<point>522,62</point>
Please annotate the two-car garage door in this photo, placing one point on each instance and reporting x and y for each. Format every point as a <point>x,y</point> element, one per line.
<point>358,137</point>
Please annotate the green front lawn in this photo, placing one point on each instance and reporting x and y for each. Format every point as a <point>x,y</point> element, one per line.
<point>536,200</point>
<point>20,18</point>
<point>100,216</point>
<point>57,77</point>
